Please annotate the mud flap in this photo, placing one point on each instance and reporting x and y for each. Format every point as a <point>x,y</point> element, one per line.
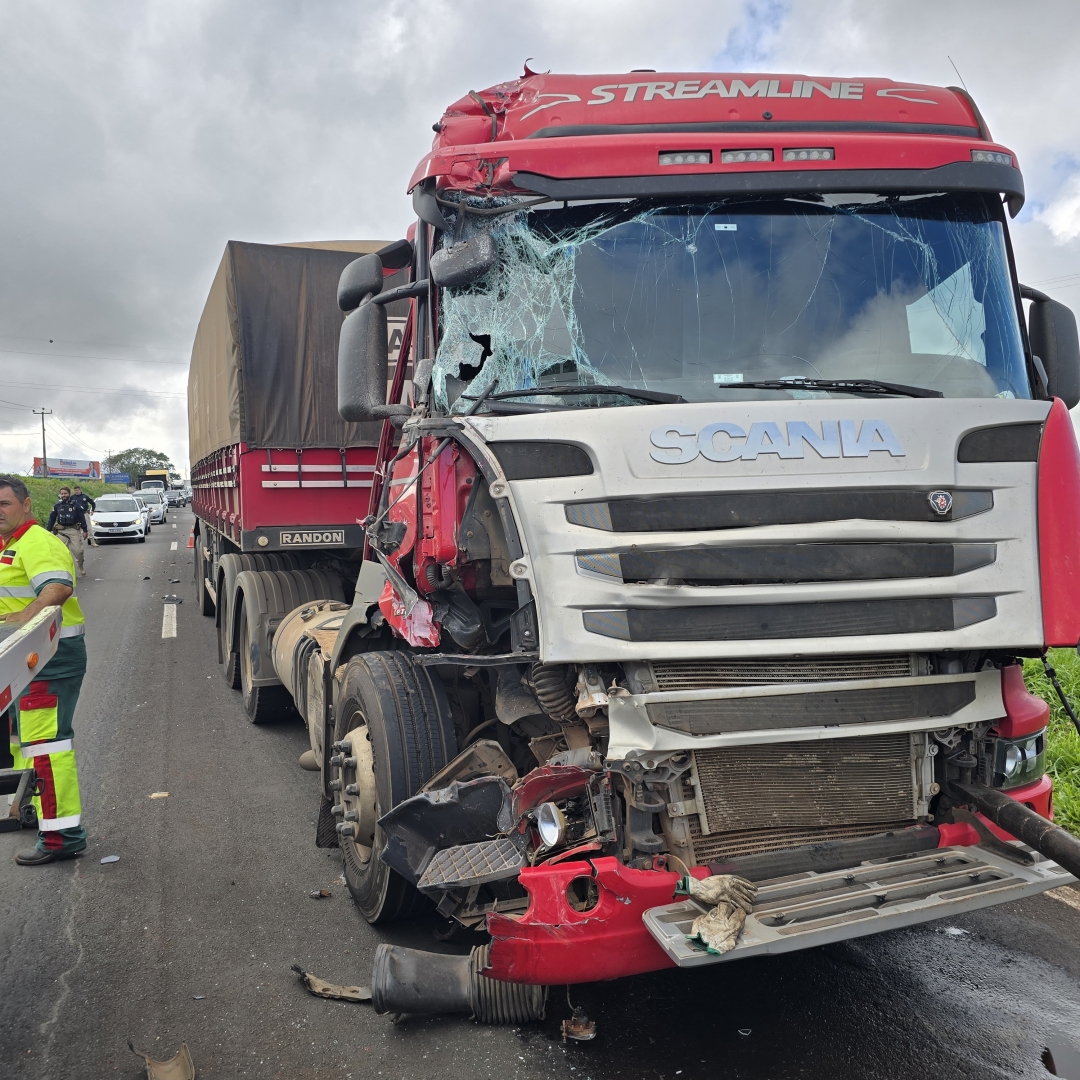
<point>811,909</point>
<point>326,830</point>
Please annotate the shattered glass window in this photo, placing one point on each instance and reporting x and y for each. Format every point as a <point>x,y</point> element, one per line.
<point>690,299</point>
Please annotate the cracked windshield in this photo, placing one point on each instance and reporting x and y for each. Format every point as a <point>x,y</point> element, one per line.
<point>699,300</point>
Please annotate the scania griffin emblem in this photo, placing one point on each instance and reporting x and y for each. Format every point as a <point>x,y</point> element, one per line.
<point>941,501</point>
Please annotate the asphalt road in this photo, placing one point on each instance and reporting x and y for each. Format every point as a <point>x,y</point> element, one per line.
<point>191,935</point>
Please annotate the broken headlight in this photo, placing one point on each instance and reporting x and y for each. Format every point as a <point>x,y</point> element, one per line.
<point>551,825</point>
<point>1017,762</point>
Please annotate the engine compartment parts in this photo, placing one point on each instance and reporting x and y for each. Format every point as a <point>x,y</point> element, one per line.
<point>411,981</point>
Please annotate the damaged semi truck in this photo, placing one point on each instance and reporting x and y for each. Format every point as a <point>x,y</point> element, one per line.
<point>733,484</point>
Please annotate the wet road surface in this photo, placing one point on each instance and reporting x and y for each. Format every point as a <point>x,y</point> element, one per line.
<point>191,935</point>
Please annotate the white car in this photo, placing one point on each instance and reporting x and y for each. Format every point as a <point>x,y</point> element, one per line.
<point>119,517</point>
<point>156,504</point>
<point>137,496</point>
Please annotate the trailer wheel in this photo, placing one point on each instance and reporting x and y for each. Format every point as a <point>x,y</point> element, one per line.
<point>395,723</point>
<point>261,703</point>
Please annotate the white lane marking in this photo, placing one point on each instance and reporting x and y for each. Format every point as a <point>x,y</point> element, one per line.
<point>172,546</point>
<point>174,526</point>
<point>168,621</point>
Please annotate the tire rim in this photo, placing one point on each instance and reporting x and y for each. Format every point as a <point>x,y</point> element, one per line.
<point>358,794</point>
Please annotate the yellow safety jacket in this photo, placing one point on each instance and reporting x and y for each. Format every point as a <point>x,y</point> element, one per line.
<point>31,559</point>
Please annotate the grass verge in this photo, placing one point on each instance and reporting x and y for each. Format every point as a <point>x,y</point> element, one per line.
<point>43,493</point>
<point>1063,743</point>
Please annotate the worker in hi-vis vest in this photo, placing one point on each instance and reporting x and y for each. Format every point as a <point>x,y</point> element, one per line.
<point>37,571</point>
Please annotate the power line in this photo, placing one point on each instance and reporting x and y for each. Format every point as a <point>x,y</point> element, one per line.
<point>85,356</point>
<point>93,389</point>
<point>68,436</point>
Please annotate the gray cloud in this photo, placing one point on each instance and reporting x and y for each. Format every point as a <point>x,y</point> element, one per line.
<point>140,136</point>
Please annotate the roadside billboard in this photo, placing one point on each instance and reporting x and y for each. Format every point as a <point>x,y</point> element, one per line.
<point>69,469</point>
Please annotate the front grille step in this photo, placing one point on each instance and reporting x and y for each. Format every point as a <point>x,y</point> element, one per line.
<point>705,674</point>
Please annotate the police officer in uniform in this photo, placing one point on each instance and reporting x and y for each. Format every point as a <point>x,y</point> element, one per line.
<point>37,571</point>
<point>68,521</point>
<point>87,505</point>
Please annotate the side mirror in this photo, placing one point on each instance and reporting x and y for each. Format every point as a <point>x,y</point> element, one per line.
<point>464,263</point>
<point>362,278</point>
<point>1053,337</point>
<point>363,362</point>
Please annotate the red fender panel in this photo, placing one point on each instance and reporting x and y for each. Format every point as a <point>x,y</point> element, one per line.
<point>1059,529</point>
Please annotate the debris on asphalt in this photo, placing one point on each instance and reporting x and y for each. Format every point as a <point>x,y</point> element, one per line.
<point>954,931</point>
<point>174,581</point>
<point>578,1027</point>
<point>172,598</point>
<point>178,1067</point>
<point>111,858</point>
<point>744,1032</point>
<point>159,794</point>
<point>146,577</point>
<point>199,997</point>
<point>322,988</point>
<point>318,894</point>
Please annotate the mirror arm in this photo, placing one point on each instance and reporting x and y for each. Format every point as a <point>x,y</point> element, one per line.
<point>1036,297</point>
<point>402,292</point>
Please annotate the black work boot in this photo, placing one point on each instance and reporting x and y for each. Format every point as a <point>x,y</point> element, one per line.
<point>35,856</point>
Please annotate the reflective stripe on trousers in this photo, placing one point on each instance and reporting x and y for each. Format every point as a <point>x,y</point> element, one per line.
<point>42,726</point>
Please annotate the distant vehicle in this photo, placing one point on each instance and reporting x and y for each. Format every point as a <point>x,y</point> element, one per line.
<point>174,497</point>
<point>156,504</point>
<point>119,517</point>
<point>151,485</point>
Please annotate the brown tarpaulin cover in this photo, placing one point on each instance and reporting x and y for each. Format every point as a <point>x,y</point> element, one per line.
<point>264,363</point>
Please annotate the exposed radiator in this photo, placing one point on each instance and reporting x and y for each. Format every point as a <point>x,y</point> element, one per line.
<point>703,674</point>
<point>728,845</point>
<point>760,798</point>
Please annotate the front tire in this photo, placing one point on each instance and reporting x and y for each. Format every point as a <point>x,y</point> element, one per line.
<point>395,719</point>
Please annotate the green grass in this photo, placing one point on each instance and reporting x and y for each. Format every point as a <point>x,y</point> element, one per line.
<point>43,493</point>
<point>1063,743</point>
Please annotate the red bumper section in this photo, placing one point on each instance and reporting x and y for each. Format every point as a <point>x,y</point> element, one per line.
<point>553,942</point>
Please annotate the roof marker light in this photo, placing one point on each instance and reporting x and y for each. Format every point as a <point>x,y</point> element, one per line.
<point>810,153</point>
<point>686,157</point>
<point>991,156</point>
<point>738,157</point>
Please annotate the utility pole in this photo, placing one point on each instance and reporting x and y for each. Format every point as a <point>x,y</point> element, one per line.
<point>44,455</point>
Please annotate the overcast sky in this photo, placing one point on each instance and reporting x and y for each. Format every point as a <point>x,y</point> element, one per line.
<point>139,136</point>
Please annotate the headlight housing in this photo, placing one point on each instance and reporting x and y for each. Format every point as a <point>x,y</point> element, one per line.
<point>1017,762</point>
<point>550,824</point>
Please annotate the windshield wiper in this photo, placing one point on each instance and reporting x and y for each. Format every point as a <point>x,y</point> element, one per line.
<point>655,397</point>
<point>851,386</point>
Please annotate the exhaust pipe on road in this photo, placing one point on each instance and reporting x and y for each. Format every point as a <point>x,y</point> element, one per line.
<point>413,981</point>
<point>1022,822</point>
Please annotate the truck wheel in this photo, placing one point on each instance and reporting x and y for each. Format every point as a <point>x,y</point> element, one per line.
<point>395,720</point>
<point>261,703</point>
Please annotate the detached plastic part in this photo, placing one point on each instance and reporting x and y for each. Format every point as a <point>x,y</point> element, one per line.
<point>412,981</point>
<point>1059,529</point>
<point>178,1067</point>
